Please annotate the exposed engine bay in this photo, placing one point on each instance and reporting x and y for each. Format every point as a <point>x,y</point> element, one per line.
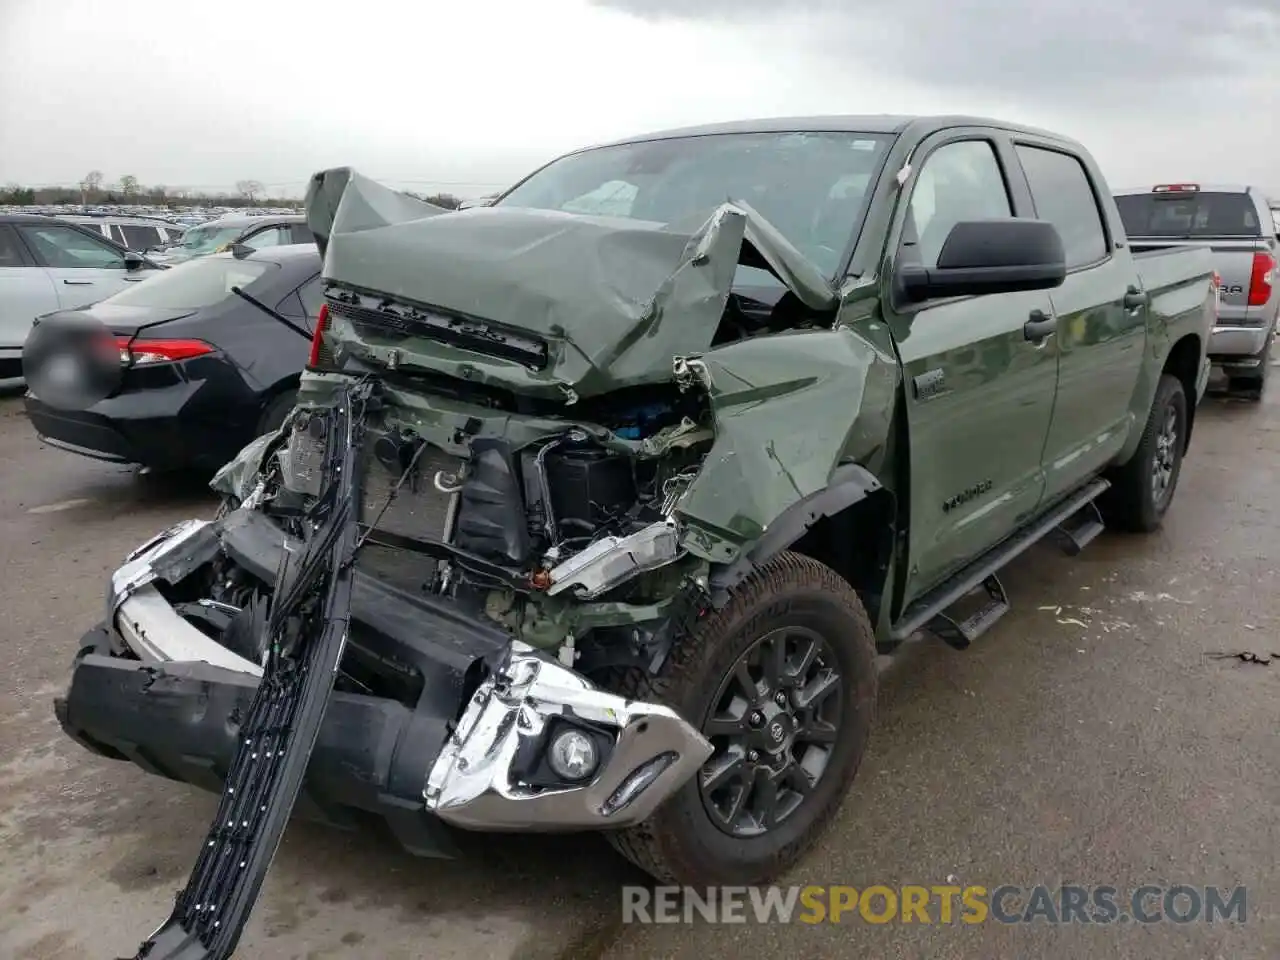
<point>523,535</point>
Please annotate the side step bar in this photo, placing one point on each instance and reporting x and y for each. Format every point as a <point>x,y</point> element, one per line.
<point>927,612</point>
<point>961,633</point>
<point>307,631</point>
<point>1080,529</point>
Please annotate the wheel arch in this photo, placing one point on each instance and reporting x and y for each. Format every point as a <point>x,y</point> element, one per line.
<point>1183,362</point>
<point>831,526</point>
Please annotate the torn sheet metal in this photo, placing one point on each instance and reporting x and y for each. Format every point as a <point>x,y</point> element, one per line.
<point>614,299</point>
<point>834,382</point>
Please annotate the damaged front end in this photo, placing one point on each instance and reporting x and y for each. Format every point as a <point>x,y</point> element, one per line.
<point>575,431</point>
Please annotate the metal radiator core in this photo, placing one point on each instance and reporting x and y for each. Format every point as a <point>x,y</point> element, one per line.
<point>420,511</point>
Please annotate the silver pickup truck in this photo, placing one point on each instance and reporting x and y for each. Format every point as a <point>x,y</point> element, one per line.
<point>1237,224</point>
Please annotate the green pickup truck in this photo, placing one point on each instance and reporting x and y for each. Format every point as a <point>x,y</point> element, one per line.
<point>656,454</point>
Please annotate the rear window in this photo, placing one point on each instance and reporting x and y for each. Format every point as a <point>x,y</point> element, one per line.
<point>140,237</point>
<point>194,284</point>
<point>1210,214</point>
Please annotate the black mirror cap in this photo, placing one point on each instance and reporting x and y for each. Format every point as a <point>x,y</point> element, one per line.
<point>981,257</point>
<point>134,260</point>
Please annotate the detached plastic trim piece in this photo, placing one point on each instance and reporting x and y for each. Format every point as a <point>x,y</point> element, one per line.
<point>307,633</point>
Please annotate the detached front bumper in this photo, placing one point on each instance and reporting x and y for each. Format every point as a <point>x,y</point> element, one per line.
<point>468,748</point>
<point>180,720</point>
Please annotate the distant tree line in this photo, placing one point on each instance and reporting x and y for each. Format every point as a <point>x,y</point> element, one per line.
<point>93,190</point>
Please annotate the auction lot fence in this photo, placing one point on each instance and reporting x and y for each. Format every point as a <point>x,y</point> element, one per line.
<point>937,904</point>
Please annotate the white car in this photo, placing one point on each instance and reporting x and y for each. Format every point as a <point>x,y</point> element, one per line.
<point>48,264</point>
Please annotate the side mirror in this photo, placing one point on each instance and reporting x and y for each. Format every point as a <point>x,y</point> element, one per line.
<point>990,256</point>
<point>134,260</point>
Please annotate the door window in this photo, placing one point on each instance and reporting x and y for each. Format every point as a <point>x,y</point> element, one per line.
<point>1062,195</point>
<point>270,237</point>
<point>958,182</point>
<point>302,233</point>
<point>58,246</point>
<point>10,254</point>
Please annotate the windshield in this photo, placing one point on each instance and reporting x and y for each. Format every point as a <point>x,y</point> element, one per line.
<point>195,284</point>
<point>1210,214</point>
<point>208,239</point>
<point>811,186</point>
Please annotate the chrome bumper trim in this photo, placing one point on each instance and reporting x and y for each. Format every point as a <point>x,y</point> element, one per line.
<point>153,630</point>
<point>472,785</point>
<point>138,569</point>
<point>147,622</point>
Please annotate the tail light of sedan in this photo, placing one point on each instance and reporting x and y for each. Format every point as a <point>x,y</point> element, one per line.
<point>138,353</point>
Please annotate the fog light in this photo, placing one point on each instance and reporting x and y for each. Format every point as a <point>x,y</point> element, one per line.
<point>573,755</point>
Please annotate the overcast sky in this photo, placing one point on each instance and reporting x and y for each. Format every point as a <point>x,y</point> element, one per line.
<point>467,95</point>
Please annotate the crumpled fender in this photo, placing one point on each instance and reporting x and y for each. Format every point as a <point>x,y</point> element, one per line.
<point>237,477</point>
<point>788,410</point>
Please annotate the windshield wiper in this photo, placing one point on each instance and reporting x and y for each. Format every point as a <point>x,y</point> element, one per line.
<point>274,315</point>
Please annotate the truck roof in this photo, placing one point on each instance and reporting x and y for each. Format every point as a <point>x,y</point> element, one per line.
<point>842,123</point>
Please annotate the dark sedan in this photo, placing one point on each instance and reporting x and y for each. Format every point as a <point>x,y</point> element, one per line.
<point>209,356</point>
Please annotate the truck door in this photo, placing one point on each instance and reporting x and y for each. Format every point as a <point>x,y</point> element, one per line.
<point>979,393</point>
<point>1102,320</point>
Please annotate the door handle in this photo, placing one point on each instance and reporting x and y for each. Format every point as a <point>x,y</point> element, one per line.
<point>1135,298</point>
<point>1039,326</point>
<point>133,279</point>
<point>78,283</point>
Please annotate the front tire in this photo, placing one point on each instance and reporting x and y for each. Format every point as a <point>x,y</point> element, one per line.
<point>1142,490</point>
<point>782,680</point>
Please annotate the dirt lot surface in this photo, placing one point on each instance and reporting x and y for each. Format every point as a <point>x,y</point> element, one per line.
<point>1089,738</point>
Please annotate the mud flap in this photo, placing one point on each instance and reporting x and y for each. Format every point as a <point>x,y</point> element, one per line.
<point>307,631</point>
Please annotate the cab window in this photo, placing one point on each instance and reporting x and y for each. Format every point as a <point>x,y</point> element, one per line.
<point>958,182</point>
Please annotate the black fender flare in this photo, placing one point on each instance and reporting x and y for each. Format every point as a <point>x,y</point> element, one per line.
<point>849,484</point>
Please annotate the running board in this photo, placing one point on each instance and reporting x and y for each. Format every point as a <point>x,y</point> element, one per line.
<point>925,611</point>
<point>1080,529</point>
<point>307,631</point>
<point>961,633</point>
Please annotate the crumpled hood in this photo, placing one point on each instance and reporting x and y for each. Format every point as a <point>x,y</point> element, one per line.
<point>613,299</point>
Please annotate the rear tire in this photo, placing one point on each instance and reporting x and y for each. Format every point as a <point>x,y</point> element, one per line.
<point>1143,488</point>
<point>803,726</point>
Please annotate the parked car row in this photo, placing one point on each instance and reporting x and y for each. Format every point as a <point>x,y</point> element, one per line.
<point>49,264</point>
